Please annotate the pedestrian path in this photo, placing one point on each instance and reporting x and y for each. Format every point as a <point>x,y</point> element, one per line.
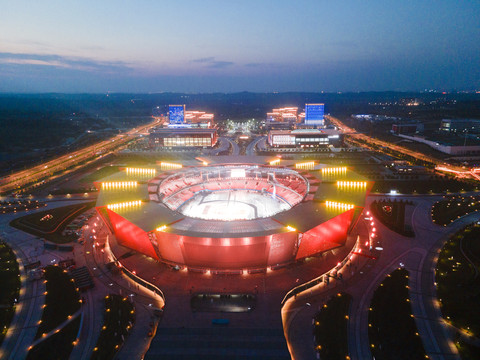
<point>213,343</point>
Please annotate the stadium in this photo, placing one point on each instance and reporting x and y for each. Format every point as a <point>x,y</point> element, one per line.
<point>230,217</point>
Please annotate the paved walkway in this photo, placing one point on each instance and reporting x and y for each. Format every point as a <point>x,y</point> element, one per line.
<point>361,277</point>
<point>91,255</point>
<point>418,255</point>
<point>23,328</point>
<point>45,336</point>
<point>28,312</point>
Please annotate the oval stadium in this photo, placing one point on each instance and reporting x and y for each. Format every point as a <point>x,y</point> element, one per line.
<point>231,217</point>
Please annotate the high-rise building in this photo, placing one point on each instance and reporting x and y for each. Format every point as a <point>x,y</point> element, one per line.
<point>176,114</point>
<point>314,114</point>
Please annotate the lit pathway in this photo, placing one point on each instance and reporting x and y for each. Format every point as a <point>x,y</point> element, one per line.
<point>418,255</point>
<point>45,336</point>
<point>298,312</point>
<point>415,254</point>
<point>28,312</point>
<point>137,342</point>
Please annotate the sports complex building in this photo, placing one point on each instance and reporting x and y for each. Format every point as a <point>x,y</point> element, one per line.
<point>230,216</point>
<point>305,138</point>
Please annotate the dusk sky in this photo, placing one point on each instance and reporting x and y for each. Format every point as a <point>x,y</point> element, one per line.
<point>247,45</point>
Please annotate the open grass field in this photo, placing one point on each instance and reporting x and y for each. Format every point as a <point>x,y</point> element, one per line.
<point>332,341</point>
<point>9,285</point>
<point>49,224</point>
<point>446,211</point>
<point>62,299</point>
<point>118,320</point>
<point>392,330</point>
<point>458,279</point>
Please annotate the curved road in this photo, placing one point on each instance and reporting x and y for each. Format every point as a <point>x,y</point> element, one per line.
<point>418,255</point>
<point>235,147</point>
<point>250,150</point>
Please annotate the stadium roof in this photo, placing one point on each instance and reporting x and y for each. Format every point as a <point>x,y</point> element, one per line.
<point>304,216</point>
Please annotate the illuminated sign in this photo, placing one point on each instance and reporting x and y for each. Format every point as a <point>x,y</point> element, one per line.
<point>176,114</point>
<point>314,114</point>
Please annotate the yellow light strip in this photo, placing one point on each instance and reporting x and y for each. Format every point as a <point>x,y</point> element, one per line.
<point>169,166</point>
<point>124,205</point>
<point>161,228</point>
<point>352,185</point>
<point>334,171</point>
<point>290,228</point>
<point>110,185</point>
<point>275,162</point>
<point>140,171</point>
<point>338,206</point>
<point>305,165</point>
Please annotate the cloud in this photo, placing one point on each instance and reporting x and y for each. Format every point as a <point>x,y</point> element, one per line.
<point>210,62</point>
<point>204,60</point>
<point>220,64</point>
<point>64,62</point>
<point>261,64</point>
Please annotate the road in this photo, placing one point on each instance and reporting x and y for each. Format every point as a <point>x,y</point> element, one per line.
<point>251,147</point>
<point>69,162</point>
<point>224,145</point>
<point>418,255</point>
<point>235,147</point>
<point>370,140</point>
<point>24,325</point>
<point>28,248</point>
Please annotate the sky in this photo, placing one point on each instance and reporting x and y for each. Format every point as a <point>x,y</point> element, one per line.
<point>239,45</point>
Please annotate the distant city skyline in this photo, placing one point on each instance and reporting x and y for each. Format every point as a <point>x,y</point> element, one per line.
<point>229,46</point>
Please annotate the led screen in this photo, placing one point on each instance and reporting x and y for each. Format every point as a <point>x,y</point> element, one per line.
<point>314,113</point>
<point>176,114</point>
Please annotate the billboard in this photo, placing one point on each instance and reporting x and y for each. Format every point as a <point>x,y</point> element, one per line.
<point>314,114</point>
<point>176,114</point>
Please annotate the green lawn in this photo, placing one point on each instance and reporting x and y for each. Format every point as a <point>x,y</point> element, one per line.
<point>62,299</point>
<point>118,320</point>
<point>392,330</point>
<point>458,281</point>
<point>392,215</point>
<point>9,285</point>
<point>436,186</point>
<point>100,174</point>
<point>446,211</point>
<point>58,346</point>
<point>467,351</point>
<point>331,340</point>
<point>49,224</point>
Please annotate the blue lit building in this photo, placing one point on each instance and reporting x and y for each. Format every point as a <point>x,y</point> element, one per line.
<point>176,114</point>
<point>314,114</point>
